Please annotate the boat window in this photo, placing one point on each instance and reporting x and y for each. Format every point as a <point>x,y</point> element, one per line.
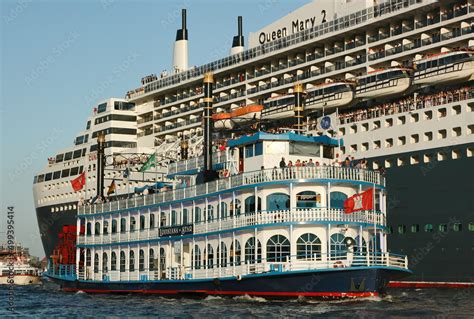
<point>113,259</point>
<point>457,227</point>
<point>443,228</point>
<point>123,225</point>
<point>97,228</point>
<point>196,257</point>
<point>101,108</point>
<point>174,218</point>
<point>88,126</point>
<point>79,140</point>
<point>40,178</point>
<point>48,176</point>
<point>338,246</point>
<point>250,253</point>
<point>222,254</point>
<point>68,156</point>
<point>114,226</point>
<point>360,248</point>
<point>105,262</point>
<point>237,210</point>
<point>328,151</point>
<point>88,257</point>
<point>222,209</point>
<point>151,261</point>
<point>81,169</point>
<point>96,263</point>
<point>77,153</point>
<point>278,249</point>
<point>197,214</point>
<point>124,106</point>
<point>185,217</point>
<point>57,175</point>
<point>142,222</point>
<point>470,227</point>
<point>65,173</point>
<point>105,228</point>
<point>402,229</point>
<point>308,199</point>
<point>59,158</point>
<point>122,261</point>
<point>278,201</point>
<point>429,228</point>
<point>258,149</point>
<point>210,213</point>
<point>74,171</point>
<point>415,228</point>
<point>141,260</point>
<point>132,260</point>
<point>235,253</point>
<point>250,205</point>
<point>337,200</point>
<point>308,247</point>
<point>132,223</point>
<point>249,151</point>
<point>210,256</point>
<point>35,179</point>
<point>152,221</point>
<point>304,149</point>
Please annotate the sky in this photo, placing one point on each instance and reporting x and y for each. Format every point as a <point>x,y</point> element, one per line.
<point>60,58</point>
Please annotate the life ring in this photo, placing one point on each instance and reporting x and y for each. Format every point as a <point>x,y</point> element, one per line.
<point>238,277</point>
<point>338,264</point>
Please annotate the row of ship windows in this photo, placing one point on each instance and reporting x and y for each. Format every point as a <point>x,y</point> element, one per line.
<point>428,228</point>
<point>425,158</point>
<point>412,139</point>
<point>402,120</point>
<point>58,174</point>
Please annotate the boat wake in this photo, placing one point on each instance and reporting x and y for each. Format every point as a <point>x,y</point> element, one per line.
<point>247,298</point>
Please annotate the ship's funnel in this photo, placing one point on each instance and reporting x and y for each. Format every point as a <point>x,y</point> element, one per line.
<point>238,42</point>
<point>180,52</point>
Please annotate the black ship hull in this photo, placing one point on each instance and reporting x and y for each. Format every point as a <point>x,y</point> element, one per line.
<point>333,283</point>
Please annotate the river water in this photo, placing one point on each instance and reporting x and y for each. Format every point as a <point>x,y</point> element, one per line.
<point>46,301</point>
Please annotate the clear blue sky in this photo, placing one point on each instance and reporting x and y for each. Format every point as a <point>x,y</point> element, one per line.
<point>58,58</point>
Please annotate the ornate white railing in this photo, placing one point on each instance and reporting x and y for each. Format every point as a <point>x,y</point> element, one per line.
<point>291,263</point>
<point>296,215</point>
<point>249,178</point>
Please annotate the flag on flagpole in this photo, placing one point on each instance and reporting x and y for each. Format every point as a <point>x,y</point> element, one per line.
<point>79,182</point>
<point>149,163</point>
<point>358,202</point>
<point>111,189</point>
<point>328,122</point>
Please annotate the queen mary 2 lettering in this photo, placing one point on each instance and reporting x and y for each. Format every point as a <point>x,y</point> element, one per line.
<point>296,26</point>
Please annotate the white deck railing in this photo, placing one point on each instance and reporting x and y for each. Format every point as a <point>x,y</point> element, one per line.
<point>249,178</point>
<point>296,215</point>
<point>319,262</point>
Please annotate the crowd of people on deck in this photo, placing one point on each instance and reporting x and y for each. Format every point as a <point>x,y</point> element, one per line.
<point>406,104</point>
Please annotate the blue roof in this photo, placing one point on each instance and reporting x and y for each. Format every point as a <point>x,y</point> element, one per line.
<point>262,136</point>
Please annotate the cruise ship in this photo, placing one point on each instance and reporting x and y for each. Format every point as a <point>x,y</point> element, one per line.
<point>392,79</point>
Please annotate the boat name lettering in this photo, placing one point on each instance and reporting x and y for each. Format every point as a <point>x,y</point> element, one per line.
<point>176,230</point>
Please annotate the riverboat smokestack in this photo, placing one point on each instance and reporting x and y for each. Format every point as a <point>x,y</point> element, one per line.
<point>100,165</point>
<point>180,52</point>
<point>299,108</point>
<point>238,42</point>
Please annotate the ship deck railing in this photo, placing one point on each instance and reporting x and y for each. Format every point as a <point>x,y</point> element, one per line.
<point>322,173</point>
<point>315,215</point>
<point>335,261</point>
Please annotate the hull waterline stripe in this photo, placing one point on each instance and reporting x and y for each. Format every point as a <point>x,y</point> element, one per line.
<point>429,284</point>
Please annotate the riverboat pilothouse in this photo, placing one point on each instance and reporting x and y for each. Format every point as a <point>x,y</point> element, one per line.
<point>181,191</point>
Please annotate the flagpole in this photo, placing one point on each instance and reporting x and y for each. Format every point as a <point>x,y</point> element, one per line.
<point>375,223</point>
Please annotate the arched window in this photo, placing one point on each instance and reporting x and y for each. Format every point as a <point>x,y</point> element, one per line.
<point>250,205</point>
<point>141,260</point>
<point>88,257</point>
<point>83,226</point>
<point>97,228</point>
<point>162,260</point>
<point>152,221</point>
<point>185,216</point>
<point>358,248</point>
<point>222,208</point>
<point>197,257</point>
<point>237,210</point>
<point>113,260</point>
<point>123,225</point>
<point>235,253</point>
<point>308,247</point>
<point>163,219</point>
<point>222,254</point>
<point>210,256</point>
<point>89,229</point>
<point>132,223</point>
<point>132,260</point>
<point>174,220</point>
<point>105,229</point>
<point>337,200</point>
<point>308,199</point>
<point>114,226</point>
<point>105,260</point>
<point>210,212</point>
<point>278,248</point>
<point>122,261</point>
<point>96,263</point>
<point>142,222</point>
<point>197,214</point>
<point>250,251</point>
<point>151,259</point>
<point>278,201</point>
<point>338,246</point>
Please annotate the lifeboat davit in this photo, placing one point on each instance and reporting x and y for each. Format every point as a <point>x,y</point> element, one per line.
<point>383,82</point>
<point>279,107</point>
<point>329,95</point>
<point>445,67</point>
<point>241,114</point>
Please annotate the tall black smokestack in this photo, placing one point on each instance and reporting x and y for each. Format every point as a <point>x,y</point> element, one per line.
<point>238,41</point>
<point>298,91</point>
<point>100,164</point>
<point>208,101</point>
<point>180,53</point>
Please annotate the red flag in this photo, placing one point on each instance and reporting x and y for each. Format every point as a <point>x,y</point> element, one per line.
<point>79,182</point>
<point>358,202</point>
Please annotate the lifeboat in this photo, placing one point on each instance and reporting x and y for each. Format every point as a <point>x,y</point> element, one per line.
<point>279,107</point>
<point>329,95</point>
<point>223,121</point>
<point>445,67</point>
<point>383,82</point>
